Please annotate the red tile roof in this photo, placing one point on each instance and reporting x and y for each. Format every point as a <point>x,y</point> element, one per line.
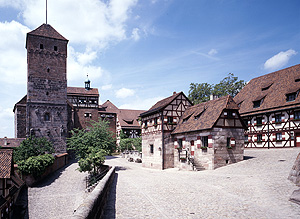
<point>46,30</point>
<point>271,89</point>
<point>160,105</point>
<point>208,113</point>
<point>129,118</point>
<point>6,163</point>
<point>108,107</point>
<point>82,91</point>
<point>10,142</point>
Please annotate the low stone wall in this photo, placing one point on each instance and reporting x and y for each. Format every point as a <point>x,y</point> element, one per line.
<point>295,172</point>
<point>93,206</point>
<point>60,161</point>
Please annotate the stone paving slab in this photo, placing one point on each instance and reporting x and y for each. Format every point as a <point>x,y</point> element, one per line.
<point>59,195</point>
<point>254,188</point>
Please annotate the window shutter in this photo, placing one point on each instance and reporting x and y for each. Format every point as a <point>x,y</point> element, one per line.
<point>198,142</point>
<point>232,142</point>
<point>175,143</point>
<point>210,141</point>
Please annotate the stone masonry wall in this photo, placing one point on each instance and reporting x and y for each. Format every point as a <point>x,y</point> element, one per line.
<point>223,155</point>
<point>152,160</point>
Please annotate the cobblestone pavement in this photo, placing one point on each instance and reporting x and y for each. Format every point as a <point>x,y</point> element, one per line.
<point>254,188</point>
<point>58,195</point>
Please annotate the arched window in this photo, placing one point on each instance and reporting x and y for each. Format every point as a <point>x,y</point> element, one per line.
<point>47,117</point>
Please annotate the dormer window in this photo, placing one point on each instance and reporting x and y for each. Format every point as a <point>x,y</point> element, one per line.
<point>55,48</point>
<point>41,46</point>
<point>291,97</point>
<point>256,103</point>
<point>266,87</point>
<point>186,118</point>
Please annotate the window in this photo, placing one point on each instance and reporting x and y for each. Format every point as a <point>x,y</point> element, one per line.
<point>291,97</point>
<point>151,149</point>
<point>259,138</point>
<point>47,117</point>
<point>277,118</point>
<point>256,104</point>
<point>155,121</point>
<point>41,46</point>
<point>55,48</point>
<point>246,138</point>
<point>228,142</point>
<point>297,115</point>
<point>170,119</point>
<point>88,115</point>
<point>205,141</point>
<point>180,143</point>
<point>259,120</point>
<point>186,118</point>
<point>278,136</point>
<point>146,123</point>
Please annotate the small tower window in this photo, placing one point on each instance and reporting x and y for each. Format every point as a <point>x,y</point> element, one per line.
<point>55,48</point>
<point>41,46</point>
<point>47,117</point>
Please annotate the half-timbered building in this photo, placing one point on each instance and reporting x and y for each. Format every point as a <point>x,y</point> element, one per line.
<point>209,135</point>
<point>270,105</point>
<point>157,125</point>
<point>10,183</point>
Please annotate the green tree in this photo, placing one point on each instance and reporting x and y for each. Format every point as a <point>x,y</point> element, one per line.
<point>92,145</point>
<point>32,147</point>
<point>131,144</point>
<point>230,85</point>
<point>92,161</point>
<point>200,92</point>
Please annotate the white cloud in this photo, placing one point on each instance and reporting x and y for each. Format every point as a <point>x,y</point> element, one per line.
<point>279,60</point>
<point>141,104</point>
<point>92,22</point>
<point>212,52</point>
<point>12,52</point>
<point>135,34</point>
<point>106,87</point>
<point>124,92</point>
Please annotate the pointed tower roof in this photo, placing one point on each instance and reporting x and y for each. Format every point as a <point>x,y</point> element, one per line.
<point>46,30</point>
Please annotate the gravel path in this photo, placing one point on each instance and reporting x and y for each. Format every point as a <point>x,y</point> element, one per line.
<point>59,195</point>
<point>254,188</point>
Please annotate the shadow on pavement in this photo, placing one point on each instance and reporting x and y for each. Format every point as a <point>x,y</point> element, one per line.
<point>248,157</point>
<point>110,208</point>
<point>118,168</point>
<point>110,157</point>
<point>20,208</point>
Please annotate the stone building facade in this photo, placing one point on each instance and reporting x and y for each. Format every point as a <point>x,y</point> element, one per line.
<point>46,107</point>
<point>209,135</point>
<point>157,124</point>
<point>270,106</point>
<point>205,136</point>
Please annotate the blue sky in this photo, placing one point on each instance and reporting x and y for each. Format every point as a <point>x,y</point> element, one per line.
<point>137,52</point>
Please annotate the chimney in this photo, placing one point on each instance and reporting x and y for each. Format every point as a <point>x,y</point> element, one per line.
<point>174,92</point>
<point>5,140</point>
<point>213,97</point>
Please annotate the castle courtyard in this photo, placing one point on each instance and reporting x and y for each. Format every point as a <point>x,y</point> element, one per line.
<point>254,188</point>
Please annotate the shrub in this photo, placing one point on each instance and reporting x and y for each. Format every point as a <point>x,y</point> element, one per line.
<point>35,165</point>
<point>32,147</point>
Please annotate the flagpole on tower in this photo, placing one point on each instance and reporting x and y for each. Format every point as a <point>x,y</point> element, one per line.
<point>46,13</point>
